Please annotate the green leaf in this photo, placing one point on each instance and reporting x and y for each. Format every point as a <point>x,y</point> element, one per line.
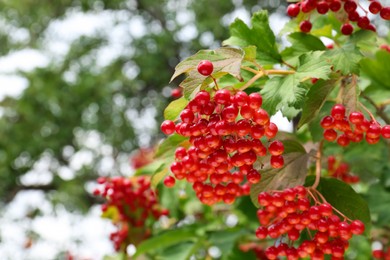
<point>260,35</point>
<point>158,176</point>
<point>315,99</point>
<point>365,40</point>
<point>150,168</point>
<point>225,61</point>
<point>345,59</point>
<point>250,53</point>
<point>342,197</point>
<point>301,43</point>
<point>280,92</point>
<point>379,208</point>
<point>167,147</point>
<point>226,239</point>
<point>178,251</point>
<point>166,239</point>
<point>292,174</point>
<point>172,111</point>
<point>377,70</point>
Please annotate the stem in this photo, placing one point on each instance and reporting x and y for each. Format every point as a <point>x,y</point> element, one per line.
<point>368,112</point>
<point>250,69</point>
<point>288,65</point>
<point>339,212</point>
<point>215,82</point>
<point>384,103</point>
<point>318,166</point>
<point>379,109</point>
<point>252,80</point>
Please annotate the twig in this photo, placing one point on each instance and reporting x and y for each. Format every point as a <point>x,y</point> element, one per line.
<point>318,166</point>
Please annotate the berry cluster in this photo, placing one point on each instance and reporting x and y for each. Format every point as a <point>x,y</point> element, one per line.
<point>136,204</point>
<point>223,147</point>
<point>141,157</point>
<point>289,213</point>
<point>349,7</point>
<point>256,248</point>
<point>225,131</point>
<point>353,127</point>
<point>340,170</point>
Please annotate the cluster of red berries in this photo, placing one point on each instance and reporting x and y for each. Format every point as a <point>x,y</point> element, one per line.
<point>353,128</point>
<point>256,248</point>
<point>350,7</point>
<point>135,203</point>
<point>383,254</point>
<point>289,213</point>
<point>225,132</point>
<point>340,170</point>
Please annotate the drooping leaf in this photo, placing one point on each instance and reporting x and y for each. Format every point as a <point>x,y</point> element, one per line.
<point>292,174</point>
<point>345,59</point>
<point>260,35</point>
<point>350,95</point>
<point>315,99</point>
<point>172,111</point>
<point>342,197</point>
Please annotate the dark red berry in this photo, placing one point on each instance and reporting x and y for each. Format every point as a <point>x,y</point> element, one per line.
<point>338,112</point>
<point>375,7</point>
<point>169,181</point>
<point>346,29</point>
<point>293,10</point>
<point>322,7</point>
<point>335,6</point>
<point>305,26</point>
<point>350,6</point>
<point>385,13</point>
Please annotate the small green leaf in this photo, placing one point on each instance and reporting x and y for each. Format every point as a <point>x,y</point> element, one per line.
<point>158,176</point>
<point>292,174</point>
<point>250,53</point>
<point>260,35</point>
<point>166,239</point>
<point>172,111</point>
<point>345,59</point>
<point>342,197</point>
<point>378,70</point>
<point>167,147</point>
<point>315,99</point>
<point>313,65</point>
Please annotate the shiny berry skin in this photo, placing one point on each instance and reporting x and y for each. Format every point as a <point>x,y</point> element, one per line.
<point>169,181</point>
<point>176,92</point>
<point>205,67</point>
<point>330,135</point>
<point>277,161</point>
<point>222,96</point>
<point>335,6</point>
<point>322,7</point>
<point>350,6</point>
<point>375,7</point>
<point>363,22</point>
<point>327,122</point>
<point>255,100</point>
<point>293,10</point>
<point>356,118</point>
<point>346,29</point>
<point>385,13</point>
<point>276,148</point>
<point>386,131</point>
<point>305,26</point>
<point>338,112</point>
<point>357,227</point>
<point>168,127</point>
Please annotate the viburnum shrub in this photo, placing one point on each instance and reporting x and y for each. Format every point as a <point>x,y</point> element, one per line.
<point>224,154</point>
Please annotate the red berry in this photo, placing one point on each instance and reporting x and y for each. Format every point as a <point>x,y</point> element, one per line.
<point>255,100</point>
<point>330,135</point>
<point>338,112</point>
<point>276,148</point>
<point>277,161</point>
<point>322,7</point>
<point>305,26</point>
<point>356,118</point>
<point>202,97</point>
<point>353,16</point>
<point>205,67</point>
<point>168,127</point>
<point>169,181</point>
<point>346,29</point>
<point>176,92</point>
<point>343,140</point>
<point>357,227</point>
<point>385,13</point>
<point>375,7</point>
<point>363,22</point>
<point>327,122</point>
<point>350,6</point>
<point>293,10</point>
<point>222,97</point>
<point>386,131</point>
<point>335,5</point>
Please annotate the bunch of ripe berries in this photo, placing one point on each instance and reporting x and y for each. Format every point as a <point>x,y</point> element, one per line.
<point>348,7</point>
<point>354,128</point>
<point>227,133</point>
<point>286,215</point>
<point>136,204</point>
